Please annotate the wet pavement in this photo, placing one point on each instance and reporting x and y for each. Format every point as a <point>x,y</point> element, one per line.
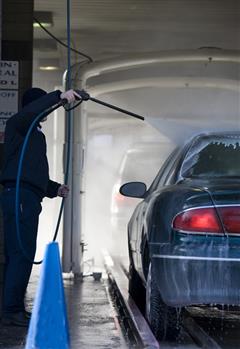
<point>92,318</point>
<point>94,324</point>
<point>93,321</point>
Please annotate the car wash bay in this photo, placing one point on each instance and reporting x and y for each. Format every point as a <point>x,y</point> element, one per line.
<point>184,80</point>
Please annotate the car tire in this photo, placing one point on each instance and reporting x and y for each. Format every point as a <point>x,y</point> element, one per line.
<point>165,321</point>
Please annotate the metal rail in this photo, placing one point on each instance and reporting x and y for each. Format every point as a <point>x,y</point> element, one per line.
<point>198,334</point>
<point>214,327</point>
<point>131,315</point>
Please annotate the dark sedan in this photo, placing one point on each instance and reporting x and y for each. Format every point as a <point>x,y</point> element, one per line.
<point>184,236</point>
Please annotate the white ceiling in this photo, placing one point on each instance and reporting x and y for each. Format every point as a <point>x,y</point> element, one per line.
<point>106,28</point>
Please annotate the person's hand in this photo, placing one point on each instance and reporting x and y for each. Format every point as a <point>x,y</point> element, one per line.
<point>63,191</point>
<point>70,96</point>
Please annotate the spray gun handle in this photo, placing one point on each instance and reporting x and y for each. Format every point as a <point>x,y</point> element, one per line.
<point>84,95</point>
<point>63,102</point>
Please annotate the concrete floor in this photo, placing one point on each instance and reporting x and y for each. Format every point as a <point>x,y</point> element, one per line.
<point>92,318</point>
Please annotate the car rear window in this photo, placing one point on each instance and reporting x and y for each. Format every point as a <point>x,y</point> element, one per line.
<point>213,156</point>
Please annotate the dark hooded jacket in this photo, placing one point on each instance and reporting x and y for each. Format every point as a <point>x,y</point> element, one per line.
<point>35,170</point>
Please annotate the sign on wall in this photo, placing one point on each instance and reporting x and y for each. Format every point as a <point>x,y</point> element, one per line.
<point>9,77</point>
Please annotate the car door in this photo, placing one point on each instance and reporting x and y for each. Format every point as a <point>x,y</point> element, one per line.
<point>140,226</point>
<point>133,232</point>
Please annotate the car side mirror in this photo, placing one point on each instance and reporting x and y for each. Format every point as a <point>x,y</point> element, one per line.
<point>133,189</point>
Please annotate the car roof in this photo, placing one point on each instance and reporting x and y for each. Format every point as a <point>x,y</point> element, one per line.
<point>215,134</point>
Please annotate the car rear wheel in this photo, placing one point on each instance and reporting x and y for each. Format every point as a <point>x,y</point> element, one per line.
<point>164,321</point>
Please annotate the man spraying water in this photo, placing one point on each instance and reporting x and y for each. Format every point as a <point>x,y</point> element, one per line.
<point>34,186</point>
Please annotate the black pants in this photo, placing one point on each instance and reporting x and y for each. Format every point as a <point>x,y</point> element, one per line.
<point>17,267</point>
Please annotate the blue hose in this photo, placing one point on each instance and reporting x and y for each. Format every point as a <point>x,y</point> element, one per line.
<point>19,173</point>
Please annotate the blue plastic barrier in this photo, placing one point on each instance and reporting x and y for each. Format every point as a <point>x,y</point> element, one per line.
<point>49,325</point>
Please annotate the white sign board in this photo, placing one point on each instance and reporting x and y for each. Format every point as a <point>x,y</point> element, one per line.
<point>8,107</point>
<point>8,93</point>
<point>9,75</point>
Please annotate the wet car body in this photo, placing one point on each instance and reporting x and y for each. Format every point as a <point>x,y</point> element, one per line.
<point>194,268</point>
<point>186,231</point>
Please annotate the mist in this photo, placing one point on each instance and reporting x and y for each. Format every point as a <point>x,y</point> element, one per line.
<point>178,101</point>
<point>172,116</point>
<point>107,145</point>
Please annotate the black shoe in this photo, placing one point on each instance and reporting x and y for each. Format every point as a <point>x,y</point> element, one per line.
<point>15,319</point>
<point>27,314</point>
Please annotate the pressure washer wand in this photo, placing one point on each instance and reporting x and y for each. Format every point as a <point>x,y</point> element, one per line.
<point>85,97</point>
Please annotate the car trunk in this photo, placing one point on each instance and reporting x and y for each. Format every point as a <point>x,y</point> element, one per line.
<point>199,266</point>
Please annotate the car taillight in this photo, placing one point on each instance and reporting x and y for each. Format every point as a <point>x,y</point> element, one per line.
<point>231,218</point>
<point>206,220</point>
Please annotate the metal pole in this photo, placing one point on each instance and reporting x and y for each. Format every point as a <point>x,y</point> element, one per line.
<point>67,222</point>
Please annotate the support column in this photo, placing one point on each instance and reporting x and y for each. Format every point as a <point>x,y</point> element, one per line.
<point>73,219</point>
<point>79,158</point>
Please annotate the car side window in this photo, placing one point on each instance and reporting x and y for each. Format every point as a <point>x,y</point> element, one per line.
<point>174,173</point>
<point>164,171</point>
<point>171,171</point>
